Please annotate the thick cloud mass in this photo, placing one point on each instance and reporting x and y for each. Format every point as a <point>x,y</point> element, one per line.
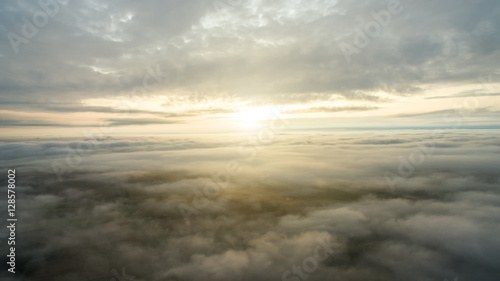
<point>121,208</point>
<point>181,66</point>
<point>257,51</point>
<point>407,206</point>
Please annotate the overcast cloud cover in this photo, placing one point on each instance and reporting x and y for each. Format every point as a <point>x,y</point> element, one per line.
<point>251,140</point>
<point>93,56</point>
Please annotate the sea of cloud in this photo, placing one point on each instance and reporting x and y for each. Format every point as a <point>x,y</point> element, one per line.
<point>300,207</point>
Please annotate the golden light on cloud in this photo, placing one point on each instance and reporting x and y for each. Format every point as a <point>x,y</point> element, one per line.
<point>251,140</point>
<point>164,103</point>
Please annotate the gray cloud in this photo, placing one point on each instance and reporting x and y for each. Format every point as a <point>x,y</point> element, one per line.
<point>139,121</point>
<point>166,208</point>
<point>465,95</point>
<point>119,208</point>
<point>259,52</point>
<point>334,109</point>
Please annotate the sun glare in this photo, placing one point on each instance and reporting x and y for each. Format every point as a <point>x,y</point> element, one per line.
<point>253,117</point>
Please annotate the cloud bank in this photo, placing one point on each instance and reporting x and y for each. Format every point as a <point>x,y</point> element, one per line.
<point>306,207</point>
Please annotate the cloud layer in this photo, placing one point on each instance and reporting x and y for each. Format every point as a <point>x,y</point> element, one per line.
<point>242,52</point>
<point>304,207</point>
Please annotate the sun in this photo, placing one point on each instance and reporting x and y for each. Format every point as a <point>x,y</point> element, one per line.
<point>253,117</point>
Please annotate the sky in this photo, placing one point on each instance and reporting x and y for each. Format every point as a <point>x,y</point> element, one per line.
<point>163,67</point>
<point>225,140</point>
